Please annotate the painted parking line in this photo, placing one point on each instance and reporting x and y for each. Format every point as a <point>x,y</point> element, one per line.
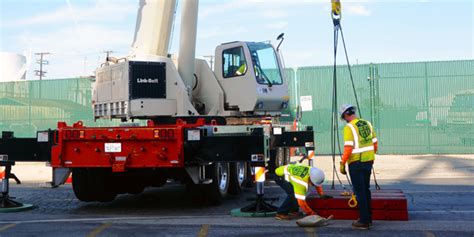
<point>310,232</point>
<point>444,211</point>
<point>111,219</point>
<point>6,227</point>
<point>98,230</point>
<point>203,231</point>
<point>428,234</point>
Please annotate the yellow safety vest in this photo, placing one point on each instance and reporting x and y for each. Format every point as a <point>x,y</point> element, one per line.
<point>242,69</point>
<point>298,176</point>
<point>360,134</point>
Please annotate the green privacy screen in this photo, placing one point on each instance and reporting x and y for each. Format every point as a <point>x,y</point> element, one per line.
<point>28,106</point>
<point>417,108</point>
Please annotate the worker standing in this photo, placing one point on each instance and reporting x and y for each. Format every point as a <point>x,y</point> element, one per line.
<point>360,146</point>
<point>297,179</point>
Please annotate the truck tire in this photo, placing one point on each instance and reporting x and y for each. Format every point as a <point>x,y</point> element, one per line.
<point>220,174</point>
<point>80,185</point>
<point>135,188</point>
<point>238,177</point>
<point>90,185</point>
<point>282,157</point>
<point>98,181</point>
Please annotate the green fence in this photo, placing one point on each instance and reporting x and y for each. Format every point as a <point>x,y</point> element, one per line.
<point>28,106</point>
<point>417,108</point>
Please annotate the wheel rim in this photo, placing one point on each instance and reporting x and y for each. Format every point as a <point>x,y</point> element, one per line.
<point>241,173</point>
<point>222,177</point>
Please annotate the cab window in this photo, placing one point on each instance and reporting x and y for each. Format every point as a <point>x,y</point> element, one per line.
<point>233,62</point>
<point>264,59</point>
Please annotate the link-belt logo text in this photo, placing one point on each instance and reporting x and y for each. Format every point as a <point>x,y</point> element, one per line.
<point>148,80</point>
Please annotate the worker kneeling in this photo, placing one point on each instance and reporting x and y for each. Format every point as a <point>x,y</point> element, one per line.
<point>297,179</point>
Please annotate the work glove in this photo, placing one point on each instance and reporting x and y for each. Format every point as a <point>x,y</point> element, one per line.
<point>342,168</point>
<point>324,196</point>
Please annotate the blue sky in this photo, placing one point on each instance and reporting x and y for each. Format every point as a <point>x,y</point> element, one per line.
<point>76,32</point>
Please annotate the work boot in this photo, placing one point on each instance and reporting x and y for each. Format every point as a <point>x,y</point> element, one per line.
<point>282,217</point>
<point>295,215</point>
<point>370,222</point>
<point>360,225</point>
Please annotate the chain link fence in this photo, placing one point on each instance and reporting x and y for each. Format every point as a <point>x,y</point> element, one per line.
<point>417,108</point>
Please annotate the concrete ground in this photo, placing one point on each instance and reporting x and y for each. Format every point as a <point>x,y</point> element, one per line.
<point>439,189</point>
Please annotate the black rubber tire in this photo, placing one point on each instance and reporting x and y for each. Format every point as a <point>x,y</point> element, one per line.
<point>217,191</point>
<point>91,185</point>
<point>80,185</point>
<point>135,188</point>
<point>238,177</point>
<point>98,180</point>
<point>249,182</point>
<point>159,180</point>
<point>287,156</point>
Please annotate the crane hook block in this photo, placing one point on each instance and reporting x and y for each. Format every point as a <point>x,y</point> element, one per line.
<point>336,8</point>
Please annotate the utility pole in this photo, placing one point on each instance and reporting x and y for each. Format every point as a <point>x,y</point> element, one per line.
<point>41,62</point>
<point>107,52</point>
<point>211,60</point>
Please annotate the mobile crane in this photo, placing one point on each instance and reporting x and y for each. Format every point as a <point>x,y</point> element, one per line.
<point>202,125</point>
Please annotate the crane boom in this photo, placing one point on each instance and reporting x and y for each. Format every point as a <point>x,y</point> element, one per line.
<point>153,28</point>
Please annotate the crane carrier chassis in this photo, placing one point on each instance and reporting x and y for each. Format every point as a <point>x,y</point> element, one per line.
<point>213,159</point>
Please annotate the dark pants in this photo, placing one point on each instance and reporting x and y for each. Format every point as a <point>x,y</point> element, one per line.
<point>360,177</point>
<point>289,204</point>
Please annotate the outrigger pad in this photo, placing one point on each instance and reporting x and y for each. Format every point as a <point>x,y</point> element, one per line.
<point>8,205</point>
<point>257,209</point>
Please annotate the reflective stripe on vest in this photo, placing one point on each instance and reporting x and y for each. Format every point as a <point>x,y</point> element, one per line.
<point>363,149</point>
<point>287,174</point>
<point>301,197</point>
<point>349,143</point>
<point>299,181</point>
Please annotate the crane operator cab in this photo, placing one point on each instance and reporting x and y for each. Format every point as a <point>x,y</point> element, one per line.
<point>251,76</point>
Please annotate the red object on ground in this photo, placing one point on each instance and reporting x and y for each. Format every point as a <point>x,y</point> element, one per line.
<point>387,204</point>
<point>69,179</point>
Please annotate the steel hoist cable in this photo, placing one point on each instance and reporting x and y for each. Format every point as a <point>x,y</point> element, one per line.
<point>336,17</point>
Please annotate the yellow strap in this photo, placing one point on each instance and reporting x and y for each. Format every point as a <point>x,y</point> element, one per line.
<point>345,193</point>
<point>353,201</point>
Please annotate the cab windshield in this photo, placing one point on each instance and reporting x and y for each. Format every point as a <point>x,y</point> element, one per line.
<point>264,59</point>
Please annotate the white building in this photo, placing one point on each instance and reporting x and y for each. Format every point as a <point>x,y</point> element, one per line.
<point>13,67</point>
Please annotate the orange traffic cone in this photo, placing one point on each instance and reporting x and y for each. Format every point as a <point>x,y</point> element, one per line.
<point>69,179</point>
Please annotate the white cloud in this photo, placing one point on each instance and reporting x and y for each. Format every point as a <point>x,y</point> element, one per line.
<point>274,13</point>
<point>300,58</point>
<point>74,34</point>
<point>359,10</point>
<point>221,8</point>
<point>69,50</point>
<point>101,11</point>
<point>216,32</point>
<point>277,25</point>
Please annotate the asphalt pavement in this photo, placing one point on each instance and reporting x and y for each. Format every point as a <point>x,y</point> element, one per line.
<point>439,205</point>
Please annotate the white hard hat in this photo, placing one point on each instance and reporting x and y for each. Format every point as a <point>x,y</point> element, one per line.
<point>317,176</point>
<point>344,108</point>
